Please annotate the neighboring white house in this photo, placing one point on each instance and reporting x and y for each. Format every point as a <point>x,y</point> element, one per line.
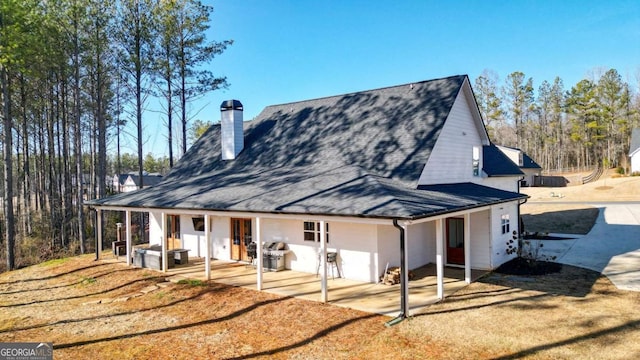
<point>526,164</point>
<point>123,183</point>
<point>365,171</point>
<point>634,150</point>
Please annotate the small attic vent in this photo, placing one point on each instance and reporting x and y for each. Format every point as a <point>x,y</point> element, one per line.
<point>232,136</point>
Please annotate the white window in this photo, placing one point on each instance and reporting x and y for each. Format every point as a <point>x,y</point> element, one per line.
<point>476,161</point>
<point>504,222</point>
<point>312,231</point>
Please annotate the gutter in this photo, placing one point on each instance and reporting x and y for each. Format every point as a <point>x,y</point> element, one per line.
<point>403,283</point>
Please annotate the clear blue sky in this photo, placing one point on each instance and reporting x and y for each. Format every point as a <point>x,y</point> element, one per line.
<point>295,50</point>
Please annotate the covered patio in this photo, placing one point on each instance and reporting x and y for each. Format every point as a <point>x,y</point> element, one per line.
<point>374,298</point>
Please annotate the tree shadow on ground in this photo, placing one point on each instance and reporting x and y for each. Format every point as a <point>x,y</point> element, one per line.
<point>568,280</point>
<point>573,221</point>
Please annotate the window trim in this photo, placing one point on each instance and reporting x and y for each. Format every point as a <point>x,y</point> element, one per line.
<point>315,231</point>
<point>475,161</point>
<point>505,223</point>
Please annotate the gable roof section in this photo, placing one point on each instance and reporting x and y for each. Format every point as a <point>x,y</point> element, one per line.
<point>149,179</point>
<point>635,141</point>
<point>496,163</point>
<point>358,154</point>
<point>527,162</point>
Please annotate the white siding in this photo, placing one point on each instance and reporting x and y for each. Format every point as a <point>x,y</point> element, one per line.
<point>192,240</point>
<point>388,247</point>
<point>155,228</point>
<point>480,240</point>
<point>507,183</point>
<point>220,237</point>
<point>356,247</point>
<point>303,254</point>
<point>635,162</point>
<point>354,243</point>
<point>499,240</point>
<point>529,174</point>
<point>421,245</point>
<point>451,158</point>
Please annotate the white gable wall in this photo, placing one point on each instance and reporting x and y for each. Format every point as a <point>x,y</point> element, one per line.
<point>512,154</point>
<point>129,185</point>
<point>451,158</point>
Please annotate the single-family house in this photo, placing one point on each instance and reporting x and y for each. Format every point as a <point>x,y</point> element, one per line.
<point>529,168</point>
<point>634,150</point>
<point>128,182</point>
<point>398,176</point>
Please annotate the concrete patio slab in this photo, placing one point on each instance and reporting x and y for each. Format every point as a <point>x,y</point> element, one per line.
<point>374,298</point>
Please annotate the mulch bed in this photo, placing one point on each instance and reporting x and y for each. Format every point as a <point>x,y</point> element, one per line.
<point>522,266</point>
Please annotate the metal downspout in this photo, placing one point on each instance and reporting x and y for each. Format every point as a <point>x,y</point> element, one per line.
<point>403,284</point>
<point>96,233</point>
<point>520,231</point>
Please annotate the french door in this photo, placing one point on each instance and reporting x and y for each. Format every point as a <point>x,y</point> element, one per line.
<point>173,232</point>
<point>241,236</point>
<point>455,241</point>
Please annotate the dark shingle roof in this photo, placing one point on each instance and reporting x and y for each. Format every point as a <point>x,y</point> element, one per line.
<point>496,163</point>
<point>357,154</point>
<point>528,163</point>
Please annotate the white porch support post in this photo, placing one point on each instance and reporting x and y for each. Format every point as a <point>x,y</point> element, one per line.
<point>439,259</point>
<point>467,248</point>
<point>259,254</point>
<point>207,255</point>
<point>324,296</point>
<point>127,231</point>
<point>165,262</point>
<point>99,233</point>
<point>259,260</point>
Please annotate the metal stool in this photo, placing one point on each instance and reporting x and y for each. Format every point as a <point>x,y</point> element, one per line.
<point>332,260</point>
<point>252,250</point>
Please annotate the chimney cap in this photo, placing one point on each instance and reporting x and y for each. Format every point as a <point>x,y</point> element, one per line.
<point>231,105</point>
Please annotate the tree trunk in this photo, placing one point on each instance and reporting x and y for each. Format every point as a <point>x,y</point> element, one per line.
<point>9,227</point>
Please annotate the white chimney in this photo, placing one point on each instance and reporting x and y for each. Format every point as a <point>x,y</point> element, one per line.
<point>232,137</point>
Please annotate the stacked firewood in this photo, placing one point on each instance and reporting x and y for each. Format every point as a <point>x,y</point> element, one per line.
<point>392,276</point>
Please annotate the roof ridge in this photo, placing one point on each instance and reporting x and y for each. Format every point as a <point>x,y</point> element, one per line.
<point>365,91</point>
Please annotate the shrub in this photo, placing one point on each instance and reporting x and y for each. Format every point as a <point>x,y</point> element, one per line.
<point>527,249</point>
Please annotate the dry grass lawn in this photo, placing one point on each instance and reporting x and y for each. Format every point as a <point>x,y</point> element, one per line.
<point>108,311</point>
<point>558,218</point>
<point>563,209</point>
